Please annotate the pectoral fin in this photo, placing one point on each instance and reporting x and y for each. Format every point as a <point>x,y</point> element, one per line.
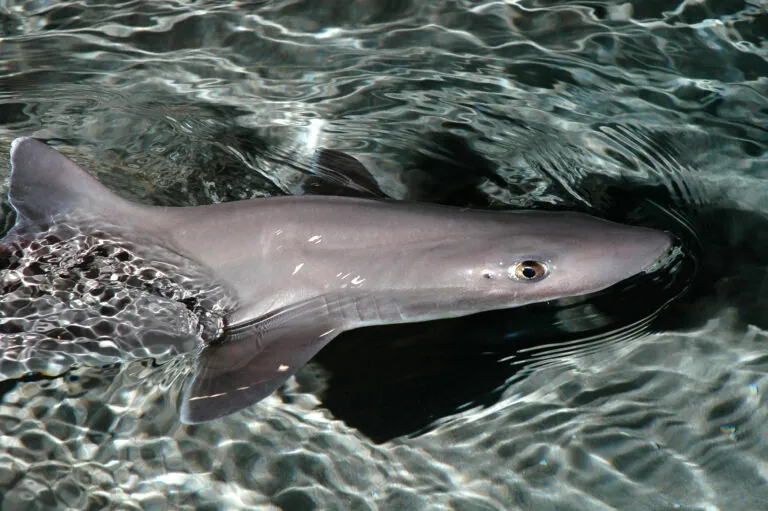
<point>338,173</point>
<point>254,359</point>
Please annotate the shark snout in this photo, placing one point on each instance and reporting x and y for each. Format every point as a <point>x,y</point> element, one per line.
<point>659,245</point>
<point>643,249</point>
<point>612,255</point>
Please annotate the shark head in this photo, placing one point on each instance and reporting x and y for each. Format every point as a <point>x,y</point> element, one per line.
<point>518,258</point>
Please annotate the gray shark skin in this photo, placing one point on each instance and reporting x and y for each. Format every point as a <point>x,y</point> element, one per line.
<point>300,270</point>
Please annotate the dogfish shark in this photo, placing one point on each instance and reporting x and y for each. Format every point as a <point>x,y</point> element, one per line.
<point>269,282</point>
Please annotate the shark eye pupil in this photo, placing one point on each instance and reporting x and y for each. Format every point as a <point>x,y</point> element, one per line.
<point>529,271</point>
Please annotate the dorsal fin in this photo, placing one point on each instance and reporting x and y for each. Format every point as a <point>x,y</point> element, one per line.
<point>46,185</point>
<point>338,173</point>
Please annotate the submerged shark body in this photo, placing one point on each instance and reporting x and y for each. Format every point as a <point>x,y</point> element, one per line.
<point>271,281</point>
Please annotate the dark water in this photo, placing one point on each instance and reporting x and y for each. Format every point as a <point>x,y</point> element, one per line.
<point>647,397</point>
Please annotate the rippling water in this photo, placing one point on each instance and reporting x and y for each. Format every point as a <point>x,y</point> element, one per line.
<point>647,397</point>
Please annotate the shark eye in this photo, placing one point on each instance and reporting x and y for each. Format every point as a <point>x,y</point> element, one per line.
<point>529,271</point>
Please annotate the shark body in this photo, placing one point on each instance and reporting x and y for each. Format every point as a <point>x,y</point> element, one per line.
<point>297,271</point>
